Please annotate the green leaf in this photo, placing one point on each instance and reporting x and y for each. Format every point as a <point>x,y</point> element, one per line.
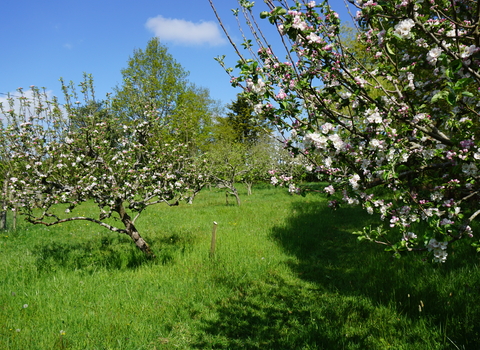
<point>389,49</point>
<point>279,11</point>
<point>456,65</point>
<point>264,14</point>
<point>451,98</point>
<point>449,73</point>
<point>439,96</point>
<point>463,83</point>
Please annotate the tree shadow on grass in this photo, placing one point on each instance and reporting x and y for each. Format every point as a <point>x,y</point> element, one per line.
<point>113,252</point>
<point>363,299</point>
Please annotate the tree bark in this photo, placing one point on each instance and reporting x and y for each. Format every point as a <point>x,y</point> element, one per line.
<point>249,187</point>
<point>3,219</point>
<point>235,193</point>
<point>3,212</point>
<point>133,232</point>
<point>14,220</point>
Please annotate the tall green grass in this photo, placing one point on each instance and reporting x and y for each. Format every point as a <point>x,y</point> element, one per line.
<point>287,274</point>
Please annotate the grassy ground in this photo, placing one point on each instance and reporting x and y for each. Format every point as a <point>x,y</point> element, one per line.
<point>287,274</point>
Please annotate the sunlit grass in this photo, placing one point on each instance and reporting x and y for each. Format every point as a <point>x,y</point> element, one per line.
<point>287,274</point>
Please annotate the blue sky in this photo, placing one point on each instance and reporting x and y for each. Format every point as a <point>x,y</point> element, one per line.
<point>42,41</point>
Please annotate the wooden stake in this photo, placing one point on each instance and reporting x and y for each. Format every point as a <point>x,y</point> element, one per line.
<point>214,239</point>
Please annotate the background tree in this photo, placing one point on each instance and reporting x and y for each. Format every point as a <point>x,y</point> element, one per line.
<point>259,160</point>
<point>192,120</point>
<point>239,131</point>
<point>227,164</point>
<point>240,124</point>
<point>154,78</point>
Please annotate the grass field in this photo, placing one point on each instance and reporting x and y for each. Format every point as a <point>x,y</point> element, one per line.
<point>287,274</point>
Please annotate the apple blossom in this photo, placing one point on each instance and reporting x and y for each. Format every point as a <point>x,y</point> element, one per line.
<point>403,28</point>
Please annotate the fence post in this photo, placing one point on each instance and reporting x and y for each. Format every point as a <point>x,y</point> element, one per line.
<point>214,239</point>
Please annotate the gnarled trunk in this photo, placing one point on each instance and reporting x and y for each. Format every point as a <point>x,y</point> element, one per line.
<point>132,231</point>
<point>234,193</point>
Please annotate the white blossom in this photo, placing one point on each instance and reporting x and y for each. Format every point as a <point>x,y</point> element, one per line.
<point>373,116</point>
<point>403,28</point>
<point>467,51</point>
<point>433,55</point>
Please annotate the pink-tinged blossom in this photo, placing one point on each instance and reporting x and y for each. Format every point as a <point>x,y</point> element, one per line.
<point>411,77</point>
<point>293,189</point>
<point>313,38</point>
<point>418,117</point>
<point>446,221</point>
<point>337,142</point>
<point>393,221</point>
<point>470,169</point>
<point>360,81</point>
<point>376,144</point>
<point>440,256</point>
<point>466,144</point>
<point>468,231</point>
<point>381,37</point>
<point>333,204</point>
<point>281,95</point>
<point>299,23</point>
<point>409,236</point>
<point>329,189</point>
<point>467,51</point>
<point>326,128</point>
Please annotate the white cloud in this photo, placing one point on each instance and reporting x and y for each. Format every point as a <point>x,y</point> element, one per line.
<point>184,32</point>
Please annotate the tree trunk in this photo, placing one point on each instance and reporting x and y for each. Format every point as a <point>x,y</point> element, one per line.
<point>3,212</point>
<point>132,231</point>
<point>235,193</point>
<point>237,197</point>
<point>249,187</point>
<point>3,219</point>
<point>14,221</point>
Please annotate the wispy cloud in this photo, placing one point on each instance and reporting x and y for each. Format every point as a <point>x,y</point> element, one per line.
<point>14,103</point>
<point>184,32</point>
